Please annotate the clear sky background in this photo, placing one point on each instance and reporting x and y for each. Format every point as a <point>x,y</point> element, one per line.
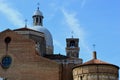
<point>92,21</point>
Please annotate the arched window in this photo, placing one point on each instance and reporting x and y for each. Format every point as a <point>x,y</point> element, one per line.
<point>72,44</point>
<point>40,20</point>
<point>37,46</point>
<point>37,20</point>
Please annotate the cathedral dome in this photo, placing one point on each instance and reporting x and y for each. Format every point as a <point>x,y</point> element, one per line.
<point>38,26</point>
<point>48,36</point>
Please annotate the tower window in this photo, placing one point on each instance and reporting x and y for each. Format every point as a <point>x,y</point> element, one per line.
<point>40,20</point>
<point>72,44</point>
<point>36,20</point>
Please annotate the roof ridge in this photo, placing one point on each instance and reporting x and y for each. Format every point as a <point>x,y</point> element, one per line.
<point>26,29</point>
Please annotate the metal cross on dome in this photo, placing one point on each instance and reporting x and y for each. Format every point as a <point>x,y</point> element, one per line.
<point>72,33</point>
<point>38,4</point>
<point>94,46</point>
<point>26,23</point>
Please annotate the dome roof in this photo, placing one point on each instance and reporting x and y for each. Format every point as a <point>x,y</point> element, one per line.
<point>38,12</point>
<point>95,61</point>
<point>48,36</point>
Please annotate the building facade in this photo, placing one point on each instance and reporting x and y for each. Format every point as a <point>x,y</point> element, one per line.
<point>28,54</point>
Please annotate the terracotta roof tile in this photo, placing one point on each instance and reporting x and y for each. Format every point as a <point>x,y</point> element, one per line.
<point>95,61</point>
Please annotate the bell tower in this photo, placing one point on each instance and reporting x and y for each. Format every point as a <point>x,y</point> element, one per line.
<point>72,47</point>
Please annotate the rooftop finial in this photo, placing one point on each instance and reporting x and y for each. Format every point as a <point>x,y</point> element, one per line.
<point>38,4</point>
<point>94,46</point>
<point>25,23</point>
<point>72,33</point>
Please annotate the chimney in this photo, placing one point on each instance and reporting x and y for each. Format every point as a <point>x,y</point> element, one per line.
<point>94,55</point>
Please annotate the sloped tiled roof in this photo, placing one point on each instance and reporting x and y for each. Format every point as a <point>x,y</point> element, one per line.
<point>26,29</point>
<point>95,61</point>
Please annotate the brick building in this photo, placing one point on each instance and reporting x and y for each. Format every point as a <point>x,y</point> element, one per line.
<point>96,69</point>
<point>28,54</point>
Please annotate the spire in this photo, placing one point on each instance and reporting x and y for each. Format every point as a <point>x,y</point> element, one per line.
<point>38,6</point>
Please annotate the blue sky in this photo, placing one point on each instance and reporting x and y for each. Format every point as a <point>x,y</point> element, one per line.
<point>92,21</point>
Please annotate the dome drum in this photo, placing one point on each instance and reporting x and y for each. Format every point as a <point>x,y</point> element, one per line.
<point>96,69</point>
<point>93,72</point>
<point>47,36</point>
<point>38,26</point>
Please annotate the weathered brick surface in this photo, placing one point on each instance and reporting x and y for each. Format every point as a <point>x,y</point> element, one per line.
<point>26,64</point>
<point>96,72</point>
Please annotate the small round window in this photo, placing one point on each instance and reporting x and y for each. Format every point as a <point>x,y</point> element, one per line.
<point>6,62</point>
<point>7,40</point>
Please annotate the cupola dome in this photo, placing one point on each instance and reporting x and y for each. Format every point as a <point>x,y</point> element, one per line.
<point>38,26</point>
<point>38,12</point>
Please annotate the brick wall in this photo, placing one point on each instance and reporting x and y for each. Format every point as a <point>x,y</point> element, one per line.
<point>26,64</point>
